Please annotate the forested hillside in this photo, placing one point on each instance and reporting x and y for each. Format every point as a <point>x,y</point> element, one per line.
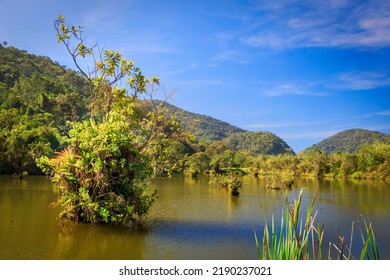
<point>37,98</point>
<point>350,140</point>
<point>205,128</point>
<point>208,129</point>
<point>258,143</point>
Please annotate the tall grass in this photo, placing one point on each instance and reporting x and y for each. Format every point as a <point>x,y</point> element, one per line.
<point>298,239</point>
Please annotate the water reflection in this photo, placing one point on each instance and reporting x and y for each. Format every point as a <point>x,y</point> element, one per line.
<point>190,220</point>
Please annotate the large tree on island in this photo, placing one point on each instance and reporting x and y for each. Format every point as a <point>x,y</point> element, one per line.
<point>102,173</point>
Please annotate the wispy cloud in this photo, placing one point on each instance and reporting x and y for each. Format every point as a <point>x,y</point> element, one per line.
<point>147,44</point>
<point>355,80</point>
<point>285,24</point>
<point>236,55</point>
<point>201,82</point>
<point>309,135</point>
<point>384,113</point>
<point>267,125</point>
<point>349,81</point>
<point>293,88</point>
<point>103,16</point>
<point>380,113</point>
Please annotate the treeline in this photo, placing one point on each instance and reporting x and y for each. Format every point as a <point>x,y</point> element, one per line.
<point>371,161</point>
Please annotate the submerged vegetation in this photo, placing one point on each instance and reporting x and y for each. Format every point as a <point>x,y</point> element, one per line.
<point>299,238</point>
<point>230,181</point>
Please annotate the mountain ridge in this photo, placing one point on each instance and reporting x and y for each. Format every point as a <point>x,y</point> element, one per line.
<point>349,140</point>
<point>208,129</point>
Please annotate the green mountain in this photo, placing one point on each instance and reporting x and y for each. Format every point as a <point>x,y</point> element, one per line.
<point>35,84</point>
<point>205,128</point>
<point>349,140</point>
<point>265,143</point>
<point>208,129</point>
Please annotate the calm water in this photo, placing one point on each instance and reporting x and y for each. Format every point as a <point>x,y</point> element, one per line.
<point>190,220</point>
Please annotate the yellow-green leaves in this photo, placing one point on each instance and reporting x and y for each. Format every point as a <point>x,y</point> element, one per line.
<point>109,68</point>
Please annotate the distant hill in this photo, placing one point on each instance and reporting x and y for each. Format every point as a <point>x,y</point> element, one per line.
<point>205,128</point>
<point>209,129</point>
<point>257,143</point>
<point>349,140</point>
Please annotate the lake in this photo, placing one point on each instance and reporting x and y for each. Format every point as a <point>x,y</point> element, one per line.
<point>190,220</point>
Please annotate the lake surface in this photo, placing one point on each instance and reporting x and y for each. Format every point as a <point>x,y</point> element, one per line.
<point>190,220</point>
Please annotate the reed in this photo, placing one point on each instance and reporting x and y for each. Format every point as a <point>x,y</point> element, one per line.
<point>301,239</point>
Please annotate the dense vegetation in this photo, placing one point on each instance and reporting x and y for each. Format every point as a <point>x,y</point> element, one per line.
<point>369,162</point>
<point>205,128</point>
<point>258,143</point>
<point>37,99</point>
<point>349,141</point>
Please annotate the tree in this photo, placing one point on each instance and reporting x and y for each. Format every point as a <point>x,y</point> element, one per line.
<point>24,139</point>
<point>102,173</point>
<point>198,164</point>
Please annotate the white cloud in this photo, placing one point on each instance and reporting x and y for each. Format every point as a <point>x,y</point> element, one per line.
<point>281,124</point>
<point>355,80</point>
<point>384,113</point>
<point>321,24</point>
<point>350,81</point>
<point>380,113</point>
<point>201,82</point>
<point>309,135</point>
<point>293,88</point>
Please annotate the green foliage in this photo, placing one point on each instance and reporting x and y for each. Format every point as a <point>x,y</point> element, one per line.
<point>230,181</point>
<point>197,164</point>
<point>349,141</point>
<point>38,98</point>
<point>25,138</point>
<point>167,143</point>
<point>371,161</point>
<point>296,240</point>
<point>101,174</point>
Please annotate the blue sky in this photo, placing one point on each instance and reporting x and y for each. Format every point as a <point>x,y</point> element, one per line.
<point>303,70</point>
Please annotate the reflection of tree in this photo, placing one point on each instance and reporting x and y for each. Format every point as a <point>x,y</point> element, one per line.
<point>100,242</point>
